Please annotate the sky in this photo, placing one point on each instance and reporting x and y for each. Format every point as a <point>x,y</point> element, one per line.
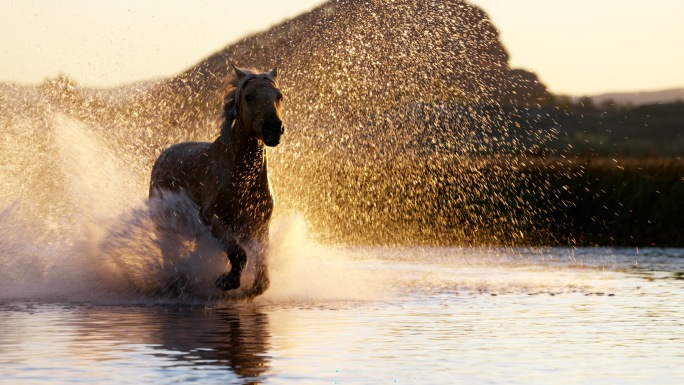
<point>578,47</point>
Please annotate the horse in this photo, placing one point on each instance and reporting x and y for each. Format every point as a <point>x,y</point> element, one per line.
<point>228,179</point>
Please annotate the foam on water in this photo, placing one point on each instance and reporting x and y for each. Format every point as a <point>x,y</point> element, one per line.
<point>302,270</point>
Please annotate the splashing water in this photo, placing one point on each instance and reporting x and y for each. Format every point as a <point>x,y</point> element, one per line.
<point>405,126</point>
<point>94,240</point>
<point>91,238</point>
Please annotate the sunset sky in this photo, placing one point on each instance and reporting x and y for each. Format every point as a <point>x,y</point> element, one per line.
<point>578,47</point>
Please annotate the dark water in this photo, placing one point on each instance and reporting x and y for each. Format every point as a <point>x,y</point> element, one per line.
<point>379,315</point>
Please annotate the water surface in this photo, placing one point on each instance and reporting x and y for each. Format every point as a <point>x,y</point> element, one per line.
<point>405,316</point>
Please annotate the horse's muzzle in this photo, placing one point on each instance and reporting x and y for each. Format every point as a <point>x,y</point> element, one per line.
<point>271,133</point>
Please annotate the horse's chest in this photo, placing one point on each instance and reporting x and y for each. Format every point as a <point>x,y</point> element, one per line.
<point>254,206</point>
<point>244,210</point>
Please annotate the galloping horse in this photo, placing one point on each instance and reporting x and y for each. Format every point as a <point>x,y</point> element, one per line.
<point>228,179</point>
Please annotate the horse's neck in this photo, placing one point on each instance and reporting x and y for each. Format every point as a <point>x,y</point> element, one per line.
<point>250,157</point>
<point>247,156</point>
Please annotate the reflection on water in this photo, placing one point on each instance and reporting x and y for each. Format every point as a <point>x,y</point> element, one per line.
<point>116,344</point>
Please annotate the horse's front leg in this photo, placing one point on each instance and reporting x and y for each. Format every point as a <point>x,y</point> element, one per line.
<point>238,260</point>
<point>235,253</point>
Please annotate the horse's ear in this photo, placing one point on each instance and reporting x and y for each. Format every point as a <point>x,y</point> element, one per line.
<point>274,72</point>
<point>239,73</point>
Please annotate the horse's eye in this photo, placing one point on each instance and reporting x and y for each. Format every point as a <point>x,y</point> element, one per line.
<point>280,97</point>
<point>249,98</point>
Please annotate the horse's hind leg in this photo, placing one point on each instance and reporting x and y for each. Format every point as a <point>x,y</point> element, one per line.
<point>238,260</point>
<point>261,280</point>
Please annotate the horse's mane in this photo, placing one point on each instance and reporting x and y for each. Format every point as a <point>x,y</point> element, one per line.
<point>229,111</point>
<point>229,90</point>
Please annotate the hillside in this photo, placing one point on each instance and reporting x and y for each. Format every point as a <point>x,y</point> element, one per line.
<point>640,98</point>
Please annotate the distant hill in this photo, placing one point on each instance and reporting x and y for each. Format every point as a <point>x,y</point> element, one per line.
<point>641,98</point>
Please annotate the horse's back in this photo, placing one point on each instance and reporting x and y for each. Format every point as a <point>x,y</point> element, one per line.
<point>180,167</point>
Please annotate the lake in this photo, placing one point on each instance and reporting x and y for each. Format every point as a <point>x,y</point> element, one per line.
<point>373,315</point>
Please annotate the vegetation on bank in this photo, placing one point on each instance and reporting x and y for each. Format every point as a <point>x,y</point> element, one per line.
<point>623,202</point>
<point>612,129</point>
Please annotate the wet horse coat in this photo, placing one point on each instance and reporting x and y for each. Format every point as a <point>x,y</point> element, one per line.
<point>228,178</point>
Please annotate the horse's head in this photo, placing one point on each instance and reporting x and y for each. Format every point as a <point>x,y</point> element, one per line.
<point>258,105</point>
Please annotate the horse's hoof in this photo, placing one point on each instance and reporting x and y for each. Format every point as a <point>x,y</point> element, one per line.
<point>228,281</point>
